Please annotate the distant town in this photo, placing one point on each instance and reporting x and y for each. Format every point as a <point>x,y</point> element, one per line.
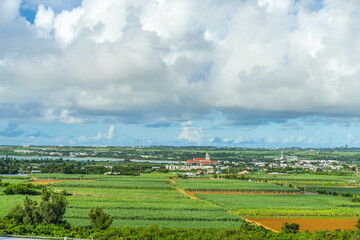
<point>189,161</point>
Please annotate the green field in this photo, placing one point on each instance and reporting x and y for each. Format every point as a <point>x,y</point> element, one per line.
<point>9,201</point>
<point>167,223</point>
<point>98,177</point>
<point>285,205</point>
<point>335,189</point>
<point>141,201</point>
<point>135,202</point>
<point>307,177</point>
<point>144,184</point>
<point>118,192</point>
<point>230,185</point>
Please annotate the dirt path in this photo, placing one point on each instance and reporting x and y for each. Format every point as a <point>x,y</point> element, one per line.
<point>260,224</point>
<point>184,192</point>
<point>181,190</point>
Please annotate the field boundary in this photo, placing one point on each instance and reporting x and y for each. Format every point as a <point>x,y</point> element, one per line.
<point>259,224</point>
<point>243,192</point>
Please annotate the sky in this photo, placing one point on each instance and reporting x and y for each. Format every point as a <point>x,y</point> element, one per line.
<point>242,73</point>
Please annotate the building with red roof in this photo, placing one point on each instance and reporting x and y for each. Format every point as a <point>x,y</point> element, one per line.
<point>202,161</point>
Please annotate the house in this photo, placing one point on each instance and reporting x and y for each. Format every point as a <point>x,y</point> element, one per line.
<point>202,161</point>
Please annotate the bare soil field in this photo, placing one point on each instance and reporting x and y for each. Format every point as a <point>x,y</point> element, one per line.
<point>310,224</point>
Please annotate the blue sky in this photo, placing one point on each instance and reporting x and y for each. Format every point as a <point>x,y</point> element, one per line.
<point>255,73</point>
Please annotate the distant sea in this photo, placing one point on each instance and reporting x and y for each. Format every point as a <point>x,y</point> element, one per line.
<point>85,159</point>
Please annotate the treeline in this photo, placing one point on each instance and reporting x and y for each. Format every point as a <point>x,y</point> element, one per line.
<point>9,165</point>
<point>245,231</point>
<point>353,197</point>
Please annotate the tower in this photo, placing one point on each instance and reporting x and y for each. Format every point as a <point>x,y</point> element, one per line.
<point>207,156</point>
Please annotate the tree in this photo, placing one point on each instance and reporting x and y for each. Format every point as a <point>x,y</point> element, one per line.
<point>49,211</point>
<point>53,207</point>
<point>99,219</point>
<point>290,227</point>
<point>358,224</point>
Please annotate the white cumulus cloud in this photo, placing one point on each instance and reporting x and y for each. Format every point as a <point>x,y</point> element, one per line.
<point>190,133</point>
<point>139,61</point>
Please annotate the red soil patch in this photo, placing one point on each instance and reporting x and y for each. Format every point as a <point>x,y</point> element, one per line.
<point>230,192</point>
<point>186,193</point>
<point>310,224</point>
<point>172,180</point>
<point>56,181</point>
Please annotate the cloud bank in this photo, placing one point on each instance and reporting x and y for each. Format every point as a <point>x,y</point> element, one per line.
<point>163,61</point>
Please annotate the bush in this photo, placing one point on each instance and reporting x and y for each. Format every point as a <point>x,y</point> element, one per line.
<point>50,211</point>
<point>99,219</point>
<point>25,189</point>
<point>290,227</point>
<point>358,224</point>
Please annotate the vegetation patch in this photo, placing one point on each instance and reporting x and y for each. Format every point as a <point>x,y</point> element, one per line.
<point>285,205</point>
<point>309,224</point>
<point>231,185</point>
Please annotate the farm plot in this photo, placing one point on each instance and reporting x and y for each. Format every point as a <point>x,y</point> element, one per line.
<point>158,214</point>
<point>285,205</point>
<point>9,201</point>
<point>309,224</point>
<point>123,184</point>
<point>148,203</point>
<point>163,210</point>
<point>230,185</point>
<point>334,189</point>
<point>12,181</point>
<point>168,223</point>
<point>142,212</point>
<point>141,202</point>
<point>98,177</point>
<point>118,192</point>
<point>309,179</point>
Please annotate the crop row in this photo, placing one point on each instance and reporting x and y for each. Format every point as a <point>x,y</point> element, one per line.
<point>9,201</point>
<point>230,185</point>
<point>167,223</point>
<point>12,181</point>
<point>338,190</point>
<point>98,177</point>
<point>284,205</point>
<point>142,203</point>
<point>121,192</point>
<point>115,184</point>
<point>150,214</point>
<point>347,212</point>
<point>307,177</point>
